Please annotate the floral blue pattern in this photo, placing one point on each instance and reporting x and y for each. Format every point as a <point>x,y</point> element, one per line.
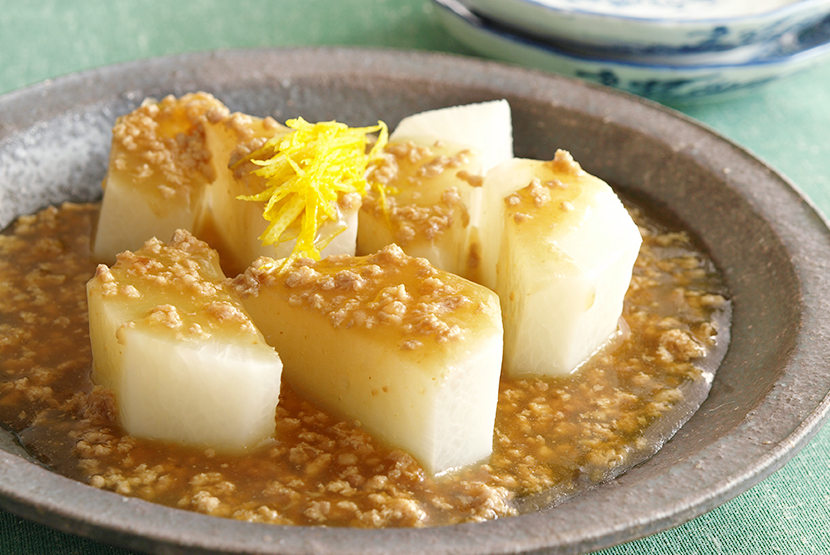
<point>664,82</point>
<point>652,28</point>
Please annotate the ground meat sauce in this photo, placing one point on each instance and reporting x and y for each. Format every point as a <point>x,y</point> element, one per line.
<point>553,437</point>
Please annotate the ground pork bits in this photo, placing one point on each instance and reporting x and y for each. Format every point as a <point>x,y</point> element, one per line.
<point>554,436</point>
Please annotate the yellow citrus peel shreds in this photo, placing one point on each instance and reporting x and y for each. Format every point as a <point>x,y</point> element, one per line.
<point>306,171</point>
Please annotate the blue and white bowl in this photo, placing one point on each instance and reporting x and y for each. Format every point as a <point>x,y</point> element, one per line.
<point>661,31</point>
<point>672,83</point>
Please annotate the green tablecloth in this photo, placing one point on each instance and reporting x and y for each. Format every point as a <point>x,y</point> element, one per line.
<point>787,124</point>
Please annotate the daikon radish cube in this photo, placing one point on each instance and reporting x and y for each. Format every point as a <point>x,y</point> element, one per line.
<point>158,169</point>
<point>426,210</point>
<point>560,248</point>
<point>411,352</point>
<point>235,226</point>
<point>229,224</point>
<point>432,176</point>
<point>177,349</point>
<point>485,127</point>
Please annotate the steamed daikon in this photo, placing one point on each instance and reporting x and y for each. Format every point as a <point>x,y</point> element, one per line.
<point>157,174</point>
<point>283,190</point>
<point>410,349</point>
<point>558,248</point>
<point>429,197</point>
<point>177,349</point>
<point>411,352</point>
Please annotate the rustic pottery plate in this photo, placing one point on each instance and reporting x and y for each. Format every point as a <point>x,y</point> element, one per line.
<point>770,394</point>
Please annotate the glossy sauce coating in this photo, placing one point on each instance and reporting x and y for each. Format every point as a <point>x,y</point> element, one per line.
<point>553,437</point>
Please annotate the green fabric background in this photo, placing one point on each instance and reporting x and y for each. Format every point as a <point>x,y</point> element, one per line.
<point>787,124</point>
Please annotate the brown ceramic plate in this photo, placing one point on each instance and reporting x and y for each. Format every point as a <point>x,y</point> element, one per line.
<point>770,394</point>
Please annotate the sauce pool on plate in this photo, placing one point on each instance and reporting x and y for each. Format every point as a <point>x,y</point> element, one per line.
<point>553,438</point>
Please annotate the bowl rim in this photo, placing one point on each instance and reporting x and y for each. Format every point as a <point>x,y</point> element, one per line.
<point>800,54</point>
<point>781,12</point>
<point>34,492</point>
